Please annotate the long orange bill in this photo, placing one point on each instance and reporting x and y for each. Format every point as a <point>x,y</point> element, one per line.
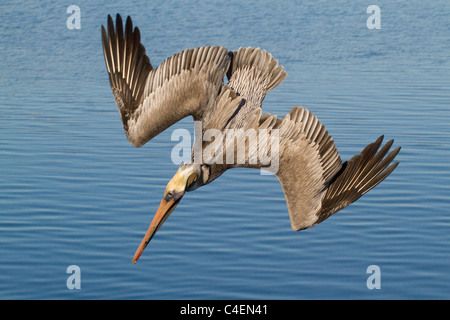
<point>164,210</point>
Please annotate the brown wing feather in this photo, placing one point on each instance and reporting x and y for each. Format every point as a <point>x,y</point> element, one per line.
<point>308,160</point>
<point>357,176</point>
<point>315,182</point>
<point>150,100</point>
<point>127,64</point>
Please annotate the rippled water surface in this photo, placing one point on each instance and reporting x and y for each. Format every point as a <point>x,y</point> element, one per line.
<point>73,191</point>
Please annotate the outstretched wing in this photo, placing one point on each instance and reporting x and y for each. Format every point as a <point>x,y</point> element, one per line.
<point>357,176</point>
<point>151,100</point>
<point>308,160</point>
<point>315,182</point>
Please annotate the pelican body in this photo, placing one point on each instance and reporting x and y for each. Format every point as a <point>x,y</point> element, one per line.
<point>315,181</point>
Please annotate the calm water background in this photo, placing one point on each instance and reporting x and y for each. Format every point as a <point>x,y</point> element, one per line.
<point>73,191</point>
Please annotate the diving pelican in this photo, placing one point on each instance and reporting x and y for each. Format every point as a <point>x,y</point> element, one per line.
<point>315,181</point>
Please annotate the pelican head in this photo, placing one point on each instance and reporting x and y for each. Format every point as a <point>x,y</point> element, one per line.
<point>188,178</point>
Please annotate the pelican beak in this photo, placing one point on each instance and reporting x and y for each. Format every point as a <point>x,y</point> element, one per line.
<point>175,190</point>
<point>168,204</point>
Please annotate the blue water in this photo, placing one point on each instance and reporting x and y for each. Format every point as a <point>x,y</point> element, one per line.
<point>73,191</point>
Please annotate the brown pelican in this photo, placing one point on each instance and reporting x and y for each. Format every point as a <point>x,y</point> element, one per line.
<point>316,183</point>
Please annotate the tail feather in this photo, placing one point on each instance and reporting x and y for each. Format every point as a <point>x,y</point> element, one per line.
<point>256,64</point>
<point>252,74</point>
